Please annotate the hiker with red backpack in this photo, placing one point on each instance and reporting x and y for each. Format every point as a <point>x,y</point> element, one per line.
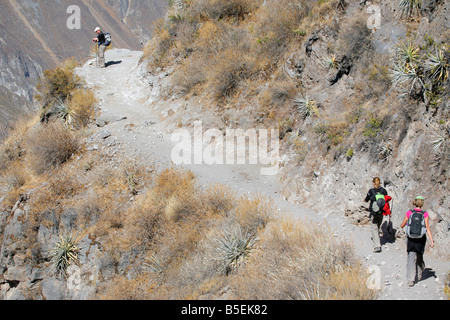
<point>376,196</point>
<point>417,229</point>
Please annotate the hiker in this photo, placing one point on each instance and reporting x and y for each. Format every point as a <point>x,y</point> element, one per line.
<point>417,228</point>
<point>376,196</point>
<point>100,39</point>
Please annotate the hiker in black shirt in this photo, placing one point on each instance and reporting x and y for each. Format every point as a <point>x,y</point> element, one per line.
<point>100,39</point>
<point>377,217</point>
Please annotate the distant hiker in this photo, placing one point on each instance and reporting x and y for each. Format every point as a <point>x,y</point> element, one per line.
<point>101,41</point>
<point>376,196</point>
<point>417,228</point>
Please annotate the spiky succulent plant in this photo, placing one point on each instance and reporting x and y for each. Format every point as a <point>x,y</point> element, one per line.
<point>64,110</point>
<point>330,61</point>
<point>154,265</point>
<point>305,106</point>
<point>409,8</point>
<point>235,247</point>
<point>65,254</point>
<point>437,66</point>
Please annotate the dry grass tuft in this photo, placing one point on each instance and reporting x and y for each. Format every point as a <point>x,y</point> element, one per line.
<point>58,83</point>
<point>253,214</point>
<point>231,67</point>
<point>219,199</point>
<point>123,288</point>
<point>156,51</point>
<point>83,104</point>
<point>13,149</point>
<point>144,222</point>
<point>278,24</point>
<point>49,146</point>
<point>218,10</point>
<point>300,262</point>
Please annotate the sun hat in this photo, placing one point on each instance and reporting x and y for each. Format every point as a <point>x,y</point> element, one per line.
<point>420,198</point>
<point>97,29</point>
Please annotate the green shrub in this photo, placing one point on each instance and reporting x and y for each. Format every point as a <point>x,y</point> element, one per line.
<point>373,126</point>
<point>337,132</point>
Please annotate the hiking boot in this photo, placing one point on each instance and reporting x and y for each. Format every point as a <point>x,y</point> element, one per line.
<point>377,249</point>
<point>411,284</point>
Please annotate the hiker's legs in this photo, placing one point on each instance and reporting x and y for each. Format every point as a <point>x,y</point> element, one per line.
<point>411,268</point>
<point>101,56</point>
<point>420,266</point>
<point>375,228</point>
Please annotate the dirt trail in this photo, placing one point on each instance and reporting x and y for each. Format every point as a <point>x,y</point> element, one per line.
<point>140,131</point>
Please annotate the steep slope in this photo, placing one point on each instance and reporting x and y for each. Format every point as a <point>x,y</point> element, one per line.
<point>34,37</point>
<point>139,16</point>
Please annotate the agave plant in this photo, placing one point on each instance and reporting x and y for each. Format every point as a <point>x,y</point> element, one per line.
<point>406,77</point>
<point>235,247</point>
<point>305,106</point>
<point>407,53</point>
<point>65,254</point>
<point>437,142</point>
<point>65,112</point>
<point>154,265</point>
<point>330,62</point>
<point>407,72</point>
<point>437,66</point>
<point>440,139</point>
<point>410,7</point>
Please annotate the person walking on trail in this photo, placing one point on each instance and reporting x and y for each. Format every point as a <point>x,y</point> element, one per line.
<point>376,196</point>
<point>101,48</point>
<point>417,229</point>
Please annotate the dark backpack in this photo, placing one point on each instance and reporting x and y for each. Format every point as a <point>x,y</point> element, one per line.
<point>416,228</point>
<point>379,203</point>
<point>108,39</point>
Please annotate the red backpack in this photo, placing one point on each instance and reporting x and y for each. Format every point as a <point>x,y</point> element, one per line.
<point>387,208</point>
